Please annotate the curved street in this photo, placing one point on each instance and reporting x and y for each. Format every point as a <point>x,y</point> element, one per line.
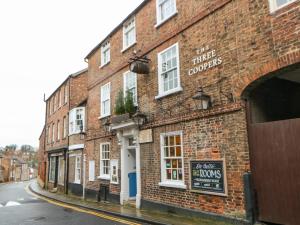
<point>19,207</point>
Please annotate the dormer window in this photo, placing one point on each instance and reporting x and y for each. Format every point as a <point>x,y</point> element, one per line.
<point>165,9</point>
<point>105,53</point>
<point>129,34</point>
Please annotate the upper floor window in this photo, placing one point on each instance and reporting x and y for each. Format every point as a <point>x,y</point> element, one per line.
<point>65,94</point>
<point>58,130</point>
<point>48,135</point>
<point>105,53</point>
<point>165,9</point>
<point>277,4</point>
<point>129,34</point>
<point>168,71</point>
<point>172,169</point>
<point>53,132</point>
<point>77,120</point>
<point>105,100</point>
<point>59,98</point>
<point>130,84</point>
<point>65,127</point>
<point>105,161</point>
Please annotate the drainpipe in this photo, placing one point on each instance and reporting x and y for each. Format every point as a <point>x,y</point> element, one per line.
<point>83,174</point>
<point>67,153</point>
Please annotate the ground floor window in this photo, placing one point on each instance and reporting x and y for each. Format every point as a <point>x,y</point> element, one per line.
<point>78,169</point>
<point>52,169</point>
<point>61,170</point>
<point>105,161</point>
<point>172,170</point>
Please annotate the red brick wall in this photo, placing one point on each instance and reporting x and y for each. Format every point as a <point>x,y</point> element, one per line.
<point>248,38</point>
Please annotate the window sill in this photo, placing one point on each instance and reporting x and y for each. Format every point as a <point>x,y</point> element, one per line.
<point>176,90</point>
<point>102,117</point>
<point>77,182</point>
<point>179,185</point>
<point>101,66</point>
<point>104,177</point>
<point>159,23</point>
<point>128,47</point>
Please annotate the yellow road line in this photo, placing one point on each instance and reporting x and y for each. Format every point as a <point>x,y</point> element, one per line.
<point>101,215</point>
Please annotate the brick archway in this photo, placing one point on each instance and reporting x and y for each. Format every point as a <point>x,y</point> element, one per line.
<point>260,74</point>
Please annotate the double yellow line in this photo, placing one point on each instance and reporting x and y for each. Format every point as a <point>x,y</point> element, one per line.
<point>101,215</point>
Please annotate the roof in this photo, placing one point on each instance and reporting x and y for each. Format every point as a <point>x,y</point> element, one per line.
<point>117,27</point>
<point>70,76</point>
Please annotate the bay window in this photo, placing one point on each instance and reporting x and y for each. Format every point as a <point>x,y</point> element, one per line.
<point>77,120</point>
<point>172,165</point>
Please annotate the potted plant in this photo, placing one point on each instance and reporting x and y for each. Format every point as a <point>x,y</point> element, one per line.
<point>124,108</point>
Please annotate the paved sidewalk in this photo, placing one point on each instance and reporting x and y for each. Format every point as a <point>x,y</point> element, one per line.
<point>144,216</point>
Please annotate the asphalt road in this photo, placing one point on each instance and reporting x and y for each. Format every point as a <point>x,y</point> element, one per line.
<point>18,207</point>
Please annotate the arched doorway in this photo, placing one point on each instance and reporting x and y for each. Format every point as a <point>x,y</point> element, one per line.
<point>273,111</point>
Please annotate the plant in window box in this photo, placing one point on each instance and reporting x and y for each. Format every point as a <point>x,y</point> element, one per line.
<point>124,108</point>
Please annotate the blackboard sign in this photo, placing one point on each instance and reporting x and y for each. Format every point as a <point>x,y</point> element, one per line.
<point>208,176</point>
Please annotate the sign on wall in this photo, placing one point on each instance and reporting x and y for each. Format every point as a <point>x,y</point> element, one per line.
<point>145,136</point>
<point>209,176</point>
<point>204,59</point>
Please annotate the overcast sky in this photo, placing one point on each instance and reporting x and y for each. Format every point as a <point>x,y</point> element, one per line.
<point>41,43</point>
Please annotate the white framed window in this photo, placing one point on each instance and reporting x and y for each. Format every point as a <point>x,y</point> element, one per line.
<point>91,170</point>
<point>277,4</point>
<point>114,178</point>
<point>105,100</point>
<point>164,10</point>
<point>172,162</point>
<point>77,120</point>
<point>58,131</point>
<point>61,170</point>
<point>59,98</point>
<point>168,71</point>
<point>64,127</point>
<point>77,169</point>
<point>129,33</point>
<point>105,161</point>
<point>52,165</point>
<point>65,94</point>
<point>105,53</point>
<point>130,84</point>
<point>53,132</point>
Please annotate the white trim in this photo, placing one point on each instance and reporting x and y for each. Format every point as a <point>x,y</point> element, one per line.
<point>171,183</point>
<point>123,125</point>
<point>102,175</point>
<point>76,181</point>
<point>92,170</point>
<point>78,146</point>
<point>114,162</point>
<point>105,46</point>
<point>125,74</point>
<point>161,92</point>
<point>72,119</point>
<point>157,25</point>
<point>129,46</point>
<point>132,19</point>
<point>274,7</point>
<point>158,20</point>
<point>102,88</point>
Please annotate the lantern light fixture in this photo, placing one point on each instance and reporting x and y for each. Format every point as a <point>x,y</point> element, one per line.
<point>202,100</point>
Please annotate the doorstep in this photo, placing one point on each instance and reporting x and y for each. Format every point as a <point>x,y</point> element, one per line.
<point>147,216</point>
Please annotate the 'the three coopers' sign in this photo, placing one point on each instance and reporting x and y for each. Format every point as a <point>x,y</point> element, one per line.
<point>205,59</point>
<point>209,176</point>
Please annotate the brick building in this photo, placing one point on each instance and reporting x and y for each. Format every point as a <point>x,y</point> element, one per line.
<point>42,158</point>
<point>191,153</point>
<point>62,128</point>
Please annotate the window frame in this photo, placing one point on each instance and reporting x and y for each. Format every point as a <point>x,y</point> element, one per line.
<point>161,92</point>
<point>66,94</point>
<point>105,47</point>
<point>102,100</point>
<point>101,166</point>
<point>58,130</point>
<point>160,21</point>
<point>65,134</point>
<point>50,178</point>
<point>76,180</point>
<point>114,163</point>
<point>73,128</point>
<point>53,132</point>
<point>274,7</point>
<point>164,181</point>
<point>135,100</point>
<point>126,30</point>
